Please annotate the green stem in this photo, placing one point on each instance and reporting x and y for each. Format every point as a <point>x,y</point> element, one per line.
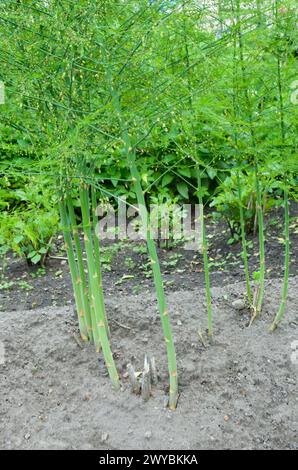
<point>95,295</point>
<point>242,220</point>
<point>80,263</point>
<point>282,306</point>
<point>261,284</point>
<point>97,256</point>
<point>244,242</point>
<point>206,260</point>
<point>75,278</point>
<point>163,309</point>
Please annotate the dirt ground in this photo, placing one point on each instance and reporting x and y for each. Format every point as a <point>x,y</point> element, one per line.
<point>127,272</point>
<point>240,392</point>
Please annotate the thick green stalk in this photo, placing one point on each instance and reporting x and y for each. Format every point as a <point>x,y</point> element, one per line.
<point>97,257</point>
<point>261,285</point>
<point>244,242</point>
<point>206,260</point>
<point>93,320</point>
<point>163,309</point>
<point>282,306</point>
<point>80,264</point>
<point>257,307</point>
<point>95,295</point>
<point>241,213</point>
<point>73,270</point>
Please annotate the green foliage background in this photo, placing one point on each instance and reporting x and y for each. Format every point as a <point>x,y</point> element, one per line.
<point>177,72</point>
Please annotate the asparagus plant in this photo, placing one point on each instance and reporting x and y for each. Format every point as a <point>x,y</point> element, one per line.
<point>205,257</point>
<point>75,277</point>
<point>244,242</point>
<point>81,280</point>
<point>95,287</point>
<point>129,152</point>
<point>259,293</point>
<point>241,212</point>
<point>282,307</point>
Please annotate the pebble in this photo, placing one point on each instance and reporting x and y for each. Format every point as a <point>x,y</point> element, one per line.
<point>238,304</point>
<point>27,436</point>
<point>148,434</point>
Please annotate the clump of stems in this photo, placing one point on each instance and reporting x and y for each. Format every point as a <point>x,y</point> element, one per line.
<point>96,286</point>
<point>129,152</point>
<point>89,297</point>
<point>259,293</point>
<point>75,277</point>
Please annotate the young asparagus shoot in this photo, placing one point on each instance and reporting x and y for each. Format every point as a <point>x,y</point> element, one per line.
<point>75,277</point>
<point>95,287</point>
<point>244,243</point>
<point>129,151</point>
<point>282,306</point>
<point>80,263</point>
<point>205,257</point>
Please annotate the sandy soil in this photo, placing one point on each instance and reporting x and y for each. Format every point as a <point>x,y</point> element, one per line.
<point>239,392</point>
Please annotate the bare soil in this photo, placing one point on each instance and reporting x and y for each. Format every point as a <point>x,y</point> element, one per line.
<point>238,392</point>
<point>126,268</point>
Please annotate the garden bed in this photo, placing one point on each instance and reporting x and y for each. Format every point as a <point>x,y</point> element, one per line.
<point>239,392</point>
<point>126,268</point>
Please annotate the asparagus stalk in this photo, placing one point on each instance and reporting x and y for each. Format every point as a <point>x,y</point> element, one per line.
<point>244,243</point>
<point>261,283</point>
<point>97,257</point>
<point>163,309</point>
<point>95,294</point>
<point>205,257</point>
<point>80,264</point>
<point>282,306</point>
<point>259,294</point>
<point>73,269</point>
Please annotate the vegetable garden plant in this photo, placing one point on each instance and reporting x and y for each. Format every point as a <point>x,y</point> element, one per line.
<point>107,99</point>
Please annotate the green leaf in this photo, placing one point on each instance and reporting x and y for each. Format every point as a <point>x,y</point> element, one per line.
<point>167,179</point>
<point>18,239</point>
<point>211,173</point>
<point>183,189</point>
<point>36,258</point>
<point>185,172</point>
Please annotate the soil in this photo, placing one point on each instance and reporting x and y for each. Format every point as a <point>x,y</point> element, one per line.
<point>237,392</point>
<point>126,269</point>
